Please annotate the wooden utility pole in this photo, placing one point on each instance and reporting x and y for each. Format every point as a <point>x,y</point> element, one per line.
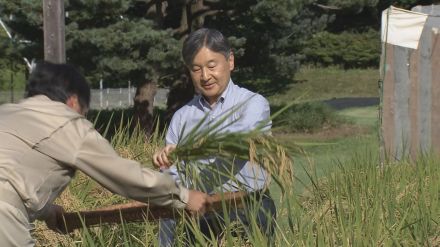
<point>54,40</point>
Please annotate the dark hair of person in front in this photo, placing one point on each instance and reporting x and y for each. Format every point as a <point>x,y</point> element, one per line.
<point>204,37</point>
<point>58,82</point>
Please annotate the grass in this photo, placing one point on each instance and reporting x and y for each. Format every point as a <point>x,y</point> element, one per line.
<point>362,115</point>
<point>361,204</point>
<point>313,84</point>
<point>344,198</point>
<point>341,194</point>
<point>323,149</point>
<point>354,202</point>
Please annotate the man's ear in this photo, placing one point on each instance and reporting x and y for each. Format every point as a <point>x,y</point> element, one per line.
<point>231,61</point>
<point>73,103</point>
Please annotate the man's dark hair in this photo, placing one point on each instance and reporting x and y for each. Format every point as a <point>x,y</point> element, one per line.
<point>204,37</point>
<point>58,82</point>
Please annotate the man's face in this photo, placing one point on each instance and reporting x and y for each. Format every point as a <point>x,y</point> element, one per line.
<point>210,72</point>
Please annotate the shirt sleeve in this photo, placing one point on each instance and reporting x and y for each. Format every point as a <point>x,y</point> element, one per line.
<point>252,114</point>
<point>172,137</point>
<point>173,132</point>
<point>97,158</point>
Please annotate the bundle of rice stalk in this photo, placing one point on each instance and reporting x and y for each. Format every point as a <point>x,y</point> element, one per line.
<point>257,146</point>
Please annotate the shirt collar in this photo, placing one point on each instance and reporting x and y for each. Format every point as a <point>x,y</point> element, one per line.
<point>204,103</point>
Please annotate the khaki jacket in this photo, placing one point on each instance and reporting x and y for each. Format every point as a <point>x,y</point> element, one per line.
<point>43,143</point>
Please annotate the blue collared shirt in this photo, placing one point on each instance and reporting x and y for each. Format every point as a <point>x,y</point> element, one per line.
<point>253,110</point>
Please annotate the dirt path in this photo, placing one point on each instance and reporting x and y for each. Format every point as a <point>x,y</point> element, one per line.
<point>343,103</point>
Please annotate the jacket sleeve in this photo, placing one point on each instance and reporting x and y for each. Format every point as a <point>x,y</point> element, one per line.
<point>97,158</point>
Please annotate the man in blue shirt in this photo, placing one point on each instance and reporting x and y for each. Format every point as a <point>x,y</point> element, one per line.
<point>209,59</point>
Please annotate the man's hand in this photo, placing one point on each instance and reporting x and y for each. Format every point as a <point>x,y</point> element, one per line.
<point>160,158</point>
<point>197,202</point>
<point>53,217</point>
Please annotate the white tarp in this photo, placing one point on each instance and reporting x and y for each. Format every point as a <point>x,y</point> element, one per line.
<point>402,27</point>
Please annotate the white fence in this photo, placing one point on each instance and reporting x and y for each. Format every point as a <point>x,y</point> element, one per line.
<point>107,98</point>
<point>110,98</point>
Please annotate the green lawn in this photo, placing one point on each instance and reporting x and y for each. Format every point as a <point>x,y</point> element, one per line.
<point>362,115</point>
<point>314,84</point>
<point>322,151</point>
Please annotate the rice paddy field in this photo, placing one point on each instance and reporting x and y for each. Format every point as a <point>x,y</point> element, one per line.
<point>330,186</point>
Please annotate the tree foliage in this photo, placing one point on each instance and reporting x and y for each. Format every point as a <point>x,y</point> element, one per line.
<point>267,36</point>
<point>123,40</point>
<point>352,38</point>
<point>128,50</point>
<point>362,15</point>
<point>347,49</point>
<point>24,20</point>
<point>139,41</point>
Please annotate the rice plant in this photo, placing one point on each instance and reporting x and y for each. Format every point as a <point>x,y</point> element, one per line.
<point>358,203</point>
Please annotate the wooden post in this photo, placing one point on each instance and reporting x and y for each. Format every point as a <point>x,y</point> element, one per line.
<point>410,99</point>
<point>54,40</point>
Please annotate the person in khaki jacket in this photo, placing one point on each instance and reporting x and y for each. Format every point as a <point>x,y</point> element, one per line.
<point>45,138</point>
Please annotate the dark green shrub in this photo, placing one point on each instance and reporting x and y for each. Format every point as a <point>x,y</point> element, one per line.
<point>346,49</point>
<point>306,117</point>
<point>108,121</point>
